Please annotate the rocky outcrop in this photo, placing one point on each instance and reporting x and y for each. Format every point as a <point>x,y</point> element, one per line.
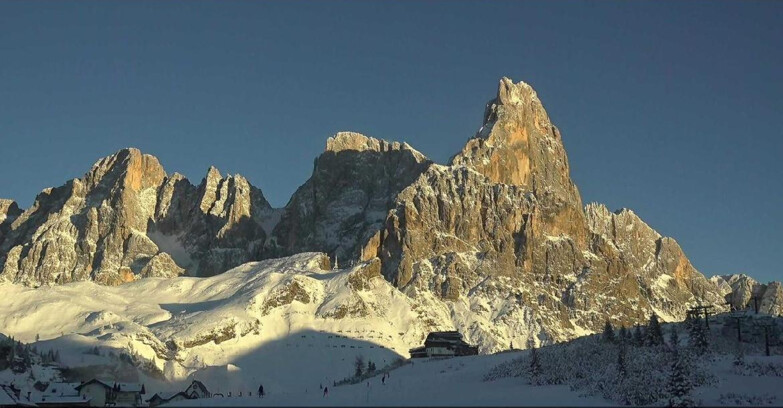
<point>214,226</point>
<point>9,210</point>
<point>745,293</point>
<point>505,220</point>
<point>342,207</point>
<point>127,219</point>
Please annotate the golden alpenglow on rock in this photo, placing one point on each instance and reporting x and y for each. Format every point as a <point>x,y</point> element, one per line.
<point>497,241</point>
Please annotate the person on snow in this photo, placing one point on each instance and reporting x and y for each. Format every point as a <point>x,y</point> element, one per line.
<point>260,391</point>
<point>326,391</point>
<point>383,379</point>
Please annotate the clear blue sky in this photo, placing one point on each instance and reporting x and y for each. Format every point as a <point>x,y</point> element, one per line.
<point>673,109</point>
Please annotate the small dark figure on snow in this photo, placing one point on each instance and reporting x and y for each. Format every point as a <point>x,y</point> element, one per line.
<point>383,379</point>
<point>326,391</point>
<point>261,391</point>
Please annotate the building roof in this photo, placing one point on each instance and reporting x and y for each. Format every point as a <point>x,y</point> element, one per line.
<point>93,381</point>
<point>71,400</point>
<point>166,396</point>
<point>200,385</point>
<point>124,387</point>
<point>61,389</point>
<point>8,397</point>
<point>130,387</point>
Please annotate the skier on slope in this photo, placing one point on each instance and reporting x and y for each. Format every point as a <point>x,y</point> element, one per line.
<point>326,391</point>
<point>260,391</point>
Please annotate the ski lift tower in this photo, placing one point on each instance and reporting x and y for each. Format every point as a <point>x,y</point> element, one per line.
<point>767,323</point>
<point>696,311</point>
<point>739,316</point>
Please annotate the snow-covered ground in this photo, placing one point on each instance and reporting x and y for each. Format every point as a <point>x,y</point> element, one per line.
<point>243,326</point>
<point>291,325</point>
<point>449,382</point>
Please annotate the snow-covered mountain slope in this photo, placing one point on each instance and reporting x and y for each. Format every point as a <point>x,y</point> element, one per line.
<point>262,314</point>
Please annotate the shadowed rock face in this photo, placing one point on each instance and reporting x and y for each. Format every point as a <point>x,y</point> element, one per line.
<point>342,207</point>
<point>110,225</point>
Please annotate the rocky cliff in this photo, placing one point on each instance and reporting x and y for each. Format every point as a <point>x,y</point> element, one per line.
<point>505,220</point>
<point>342,207</point>
<point>745,293</point>
<point>125,219</point>
<point>498,238</point>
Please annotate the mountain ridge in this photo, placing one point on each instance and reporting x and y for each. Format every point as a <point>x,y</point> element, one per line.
<point>499,234</point>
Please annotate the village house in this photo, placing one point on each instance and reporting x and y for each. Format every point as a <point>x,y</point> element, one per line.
<point>444,344</point>
<point>59,394</point>
<point>160,398</point>
<point>10,396</point>
<point>101,393</point>
<point>195,390</point>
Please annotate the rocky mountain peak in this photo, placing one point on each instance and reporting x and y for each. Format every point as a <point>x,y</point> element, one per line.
<point>520,93</point>
<point>518,145</point>
<point>129,167</point>
<point>8,209</point>
<point>341,208</point>
<point>352,141</point>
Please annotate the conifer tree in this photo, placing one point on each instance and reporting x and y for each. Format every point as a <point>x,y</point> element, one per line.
<point>674,339</point>
<point>624,335</point>
<point>622,369</point>
<point>535,365</point>
<point>654,334</point>
<point>359,364</point>
<point>608,335</point>
<point>697,336</point>
<point>679,386</point>
<point>638,336</point>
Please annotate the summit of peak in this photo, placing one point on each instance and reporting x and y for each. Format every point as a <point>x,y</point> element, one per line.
<point>352,141</point>
<point>345,141</point>
<point>213,172</point>
<point>510,93</point>
<point>127,165</point>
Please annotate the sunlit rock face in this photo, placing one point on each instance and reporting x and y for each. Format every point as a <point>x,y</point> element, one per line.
<point>505,221</point>
<point>745,293</point>
<point>116,223</point>
<point>497,243</point>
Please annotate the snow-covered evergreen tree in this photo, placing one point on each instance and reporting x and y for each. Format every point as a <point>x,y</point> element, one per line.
<point>624,335</point>
<point>359,365</point>
<point>638,336</point>
<point>608,335</point>
<point>534,366</point>
<point>679,386</point>
<point>653,334</point>
<point>622,369</point>
<point>674,339</point>
<point>697,335</point>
